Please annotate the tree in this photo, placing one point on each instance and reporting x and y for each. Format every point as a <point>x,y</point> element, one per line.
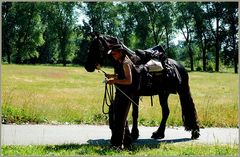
<point>215,17</point>
<point>60,36</point>
<point>184,22</point>
<point>141,24</point>
<point>167,20</point>
<point>45,32</point>
<point>124,23</point>
<point>201,31</point>
<point>64,24</point>
<point>83,43</point>
<point>49,51</point>
<point>102,19</point>
<point>23,24</point>
<point>161,20</point>
<point>231,40</point>
<point>101,16</point>
<point>156,26</point>
<point>8,18</point>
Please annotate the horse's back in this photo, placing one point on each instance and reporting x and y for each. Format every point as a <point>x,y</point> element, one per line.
<point>172,78</point>
<point>180,69</point>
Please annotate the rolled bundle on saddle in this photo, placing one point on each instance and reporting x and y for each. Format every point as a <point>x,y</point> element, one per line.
<point>152,59</point>
<point>154,66</point>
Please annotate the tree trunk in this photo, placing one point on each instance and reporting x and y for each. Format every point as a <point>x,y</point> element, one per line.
<point>236,61</point>
<point>217,47</point>
<point>8,52</point>
<point>191,58</point>
<point>167,38</point>
<point>155,35</point>
<point>204,47</point>
<point>235,49</point>
<point>204,58</point>
<point>9,58</point>
<point>217,44</point>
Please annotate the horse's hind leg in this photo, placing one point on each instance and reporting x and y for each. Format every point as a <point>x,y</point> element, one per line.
<point>159,134</point>
<point>135,110</point>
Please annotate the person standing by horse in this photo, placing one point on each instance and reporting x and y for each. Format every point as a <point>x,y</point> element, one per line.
<point>118,111</point>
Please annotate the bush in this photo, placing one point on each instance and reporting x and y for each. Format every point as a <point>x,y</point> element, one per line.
<point>12,114</point>
<point>198,68</point>
<point>210,67</point>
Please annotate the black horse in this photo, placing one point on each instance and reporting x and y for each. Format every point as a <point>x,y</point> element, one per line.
<point>162,85</point>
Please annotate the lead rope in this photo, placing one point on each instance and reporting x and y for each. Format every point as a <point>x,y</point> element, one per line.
<point>108,97</point>
<point>108,94</point>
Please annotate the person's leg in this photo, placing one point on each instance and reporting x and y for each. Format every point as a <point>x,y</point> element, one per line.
<point>121,108</point>
<point>111,117</point>
<point>127,136</point>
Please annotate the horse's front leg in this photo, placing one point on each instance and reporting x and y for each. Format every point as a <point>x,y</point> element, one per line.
<point>135,109</point>
<point>159,134</point>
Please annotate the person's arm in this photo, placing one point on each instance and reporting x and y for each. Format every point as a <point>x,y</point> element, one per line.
<point>111,75</point>
<point>128,76</point>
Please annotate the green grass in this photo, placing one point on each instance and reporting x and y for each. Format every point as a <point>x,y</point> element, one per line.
<point>163,149</point>
<point>53,94</point>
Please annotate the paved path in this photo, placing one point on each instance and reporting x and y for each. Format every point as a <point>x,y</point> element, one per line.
<point>90,134</point>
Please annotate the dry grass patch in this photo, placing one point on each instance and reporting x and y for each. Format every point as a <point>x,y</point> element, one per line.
<point>70,94</point>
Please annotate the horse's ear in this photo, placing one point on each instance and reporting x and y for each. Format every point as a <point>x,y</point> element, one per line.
<point>94,34</point>
<point>91,34</point>
<point>97,34</point>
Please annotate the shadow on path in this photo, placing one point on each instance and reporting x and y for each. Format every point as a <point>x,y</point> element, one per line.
<point>98,142</point>
<point>157,142</point>
<point>105,145</point>
<point>140,141</point>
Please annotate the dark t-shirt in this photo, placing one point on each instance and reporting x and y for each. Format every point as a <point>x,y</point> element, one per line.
<point>120,72</point>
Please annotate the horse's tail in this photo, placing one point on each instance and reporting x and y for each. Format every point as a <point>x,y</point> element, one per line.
<point>189,114</point>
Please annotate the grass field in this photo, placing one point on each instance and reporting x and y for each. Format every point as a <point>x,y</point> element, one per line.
<point>52,94</point>
<point>142,150</point>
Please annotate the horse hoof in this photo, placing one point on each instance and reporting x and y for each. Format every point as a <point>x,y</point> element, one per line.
<point>157,135</point>
<point>195,134</point>
<point>134,135</point>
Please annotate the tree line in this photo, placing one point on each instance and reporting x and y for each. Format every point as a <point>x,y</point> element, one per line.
<point>51,33</point>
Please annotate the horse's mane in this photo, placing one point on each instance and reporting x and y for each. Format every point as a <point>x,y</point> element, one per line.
<point>109,41</point>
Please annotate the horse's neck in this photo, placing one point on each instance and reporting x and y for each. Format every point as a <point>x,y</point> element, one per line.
<point>109,41</point>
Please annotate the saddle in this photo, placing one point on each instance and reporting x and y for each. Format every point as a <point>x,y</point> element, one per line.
<point>156,53</point>
<point>149,78</point>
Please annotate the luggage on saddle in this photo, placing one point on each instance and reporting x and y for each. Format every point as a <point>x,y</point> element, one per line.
<point>153,59</point>
<point>154,66</point>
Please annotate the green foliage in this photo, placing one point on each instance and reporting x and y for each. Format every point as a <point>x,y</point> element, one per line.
<point>27,31</point>
<point>198,68</point>
<point>22,115</point>
<point>46,32</point>
<point>210,66</point>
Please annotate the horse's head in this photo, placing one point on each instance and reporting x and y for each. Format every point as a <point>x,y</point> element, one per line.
<point>98,49</point>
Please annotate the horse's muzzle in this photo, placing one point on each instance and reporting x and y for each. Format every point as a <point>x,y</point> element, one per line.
<point>89,67</point>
